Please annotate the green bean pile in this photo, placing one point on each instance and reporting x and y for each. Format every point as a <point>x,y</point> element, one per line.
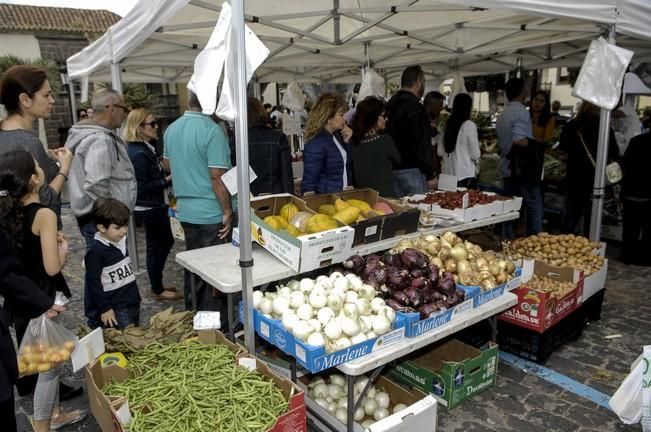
<point>196,387</point>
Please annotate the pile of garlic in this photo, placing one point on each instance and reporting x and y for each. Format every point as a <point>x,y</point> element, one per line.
<point>333,311</point>
<point>332,395</point>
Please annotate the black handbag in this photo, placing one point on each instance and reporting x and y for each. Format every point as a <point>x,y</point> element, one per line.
<point>526,162</point>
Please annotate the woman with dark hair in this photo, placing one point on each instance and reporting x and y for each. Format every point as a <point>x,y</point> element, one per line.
<point>26,94</point>
<point>579,140</point>
<point>31,228</point>
<point>269,154</point>
<point>458,145</point>
<point>374,154</point>
<point>140,132</point>
<point>542,122</point>
<point>29,302</point>
<point>327,163</point>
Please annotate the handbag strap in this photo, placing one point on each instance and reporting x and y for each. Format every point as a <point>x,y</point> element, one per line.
<point>587,152</point>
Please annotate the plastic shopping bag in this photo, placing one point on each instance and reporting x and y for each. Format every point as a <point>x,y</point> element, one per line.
<point>372,85</point>
<point>602,74</point>
<point>646,389</point>
<point>45,346</point>
<point>627,400</point>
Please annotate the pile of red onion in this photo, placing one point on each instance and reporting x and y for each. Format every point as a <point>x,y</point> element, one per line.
<point>408,281</point>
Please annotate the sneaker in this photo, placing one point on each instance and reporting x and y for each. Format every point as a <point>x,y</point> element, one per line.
<point>67,418</point>
<point>168,295</point>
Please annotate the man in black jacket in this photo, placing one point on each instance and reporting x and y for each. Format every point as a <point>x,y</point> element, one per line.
<point>409,126</point>
<point>28,301</point>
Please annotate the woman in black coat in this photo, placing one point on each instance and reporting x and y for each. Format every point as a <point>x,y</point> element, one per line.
<point>140,131</point>
<point>269,154</point>
<point>579,177</point>
<point>636,198</point>
<point>28,301</point>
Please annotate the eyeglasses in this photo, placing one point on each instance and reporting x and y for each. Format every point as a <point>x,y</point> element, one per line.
<point>153,124</point>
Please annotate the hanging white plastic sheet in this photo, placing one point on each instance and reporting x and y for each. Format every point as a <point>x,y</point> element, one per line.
<point>293,98</point>
<point>458,87</point>
<point>372,85</point>
<point>218,56</point>
<point>602,74</point>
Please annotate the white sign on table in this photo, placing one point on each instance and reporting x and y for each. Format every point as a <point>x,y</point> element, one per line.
<point>230,179</point>
<point>447,182</point>
<point>88,349</point>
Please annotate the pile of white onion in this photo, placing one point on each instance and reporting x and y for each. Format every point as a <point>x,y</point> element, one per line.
<point>332,395</point>
<point>333,311</point>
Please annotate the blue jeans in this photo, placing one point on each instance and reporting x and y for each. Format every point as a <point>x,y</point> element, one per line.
<point>88,231</point>
<point>196,237</point>
<point>532,206</point>
<point>409,181</point>
<point>160,240</point>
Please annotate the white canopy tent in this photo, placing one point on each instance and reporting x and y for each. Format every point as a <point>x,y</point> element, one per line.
<point>159,39</point>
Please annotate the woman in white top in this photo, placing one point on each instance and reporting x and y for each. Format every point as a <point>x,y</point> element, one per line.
<point>458,146</point>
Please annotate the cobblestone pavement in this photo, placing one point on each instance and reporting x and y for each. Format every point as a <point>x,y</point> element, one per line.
<point>520,401</point>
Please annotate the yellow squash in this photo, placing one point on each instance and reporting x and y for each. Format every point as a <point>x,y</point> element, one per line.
<point>341,204</point>
<point>347,215</point>
<point>288,210</point>
<point>362,205</point>
<point>327,209</point>
<point>320,222</point>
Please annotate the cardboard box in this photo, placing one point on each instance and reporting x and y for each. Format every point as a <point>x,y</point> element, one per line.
<point>539,310</point>
<point>412,201</point>
<point>595,282</point>
<point>420,414</point>
<point>480,297</point>
<point>415,326</point>
<point>316,359</point>
<point>451,372</point>
<point>512,204</point>
<point>304,253</point>
<point>403,220</point>
<point>105,408</point>
<point>467,213</point>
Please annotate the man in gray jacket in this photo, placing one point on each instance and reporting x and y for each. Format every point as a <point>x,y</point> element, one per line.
<point>101,167</point>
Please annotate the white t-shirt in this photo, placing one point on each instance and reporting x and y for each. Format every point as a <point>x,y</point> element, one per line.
<point>344,156</point>
<point>461,162</point>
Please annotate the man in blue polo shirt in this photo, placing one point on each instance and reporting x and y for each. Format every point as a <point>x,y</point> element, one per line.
<point>198,154</point>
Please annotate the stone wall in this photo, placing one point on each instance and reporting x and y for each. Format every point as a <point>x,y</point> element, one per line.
<point>58,47</point>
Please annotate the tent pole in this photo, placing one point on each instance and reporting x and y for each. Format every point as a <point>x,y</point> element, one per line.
<point>242,153</point>
<point>132,243</point>
<point>336,19</point>
<point>600,165</point>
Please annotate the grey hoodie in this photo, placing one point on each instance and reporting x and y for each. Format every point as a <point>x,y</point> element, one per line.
<point>101,168</point>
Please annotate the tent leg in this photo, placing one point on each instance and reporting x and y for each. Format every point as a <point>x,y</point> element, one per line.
<point>242,153</point>
<point>600,166</point>
<point>132,242</point>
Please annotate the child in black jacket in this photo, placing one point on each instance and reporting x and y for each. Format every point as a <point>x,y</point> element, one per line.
<point>111,294</point>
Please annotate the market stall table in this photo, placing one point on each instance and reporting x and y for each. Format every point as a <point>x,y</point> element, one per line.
<point>218,267</point>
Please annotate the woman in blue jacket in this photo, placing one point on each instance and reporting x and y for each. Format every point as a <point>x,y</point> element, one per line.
<point>140,130</point>
<point>327,158</point>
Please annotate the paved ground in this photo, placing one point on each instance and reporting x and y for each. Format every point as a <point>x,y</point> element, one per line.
<point>520,402</point>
